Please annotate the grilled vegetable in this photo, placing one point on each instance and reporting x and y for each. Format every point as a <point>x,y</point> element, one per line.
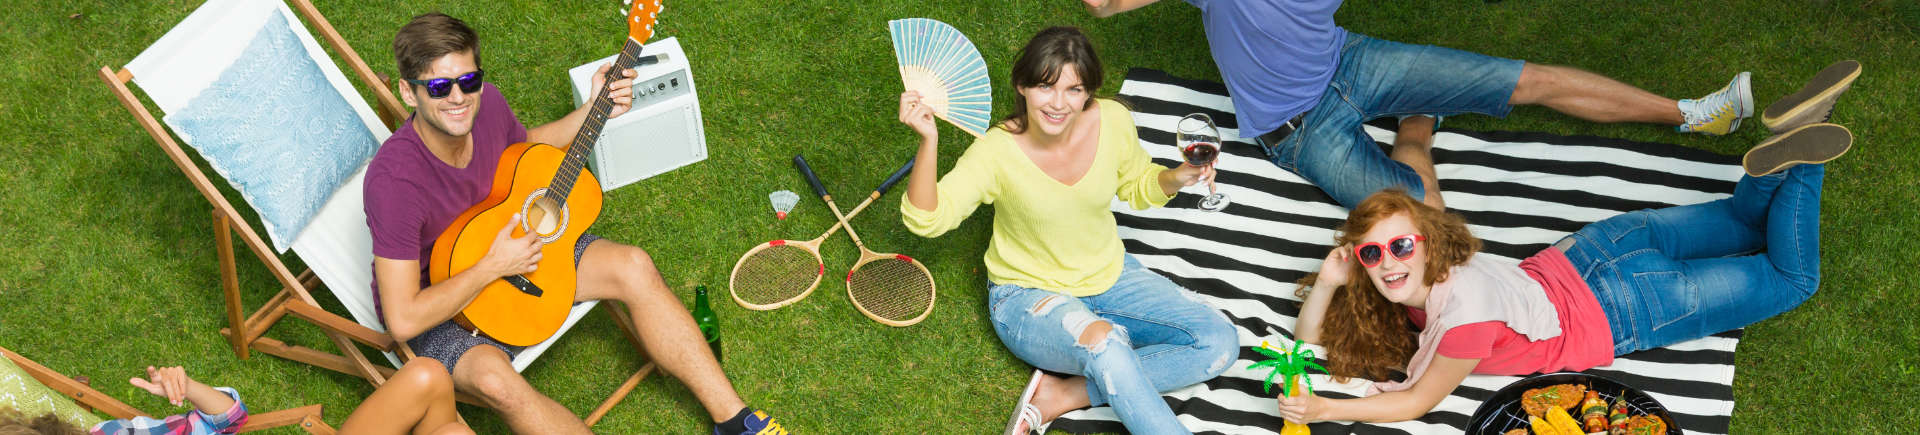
<point>1593,413</point>
<point>1617,419</point>
<point>1562,422</point>
<point>1541,427</point>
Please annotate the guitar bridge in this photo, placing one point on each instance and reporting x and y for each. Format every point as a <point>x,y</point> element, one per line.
<point>521,283</point>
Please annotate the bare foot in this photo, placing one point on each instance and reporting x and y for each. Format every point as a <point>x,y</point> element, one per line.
<point>1057,395</point>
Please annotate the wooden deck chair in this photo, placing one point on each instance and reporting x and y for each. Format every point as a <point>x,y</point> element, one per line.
<point>83,394</point>
<point>253,93</point>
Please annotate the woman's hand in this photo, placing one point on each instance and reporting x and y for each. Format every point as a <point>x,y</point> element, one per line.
<point>1334,270</point>
<point>1303,409</point>
<point>1188,174</point>
<point>919,116</point>
<point>167,382</point>
<point>173,384</point>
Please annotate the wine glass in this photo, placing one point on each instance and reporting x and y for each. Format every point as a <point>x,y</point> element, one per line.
<point>1199,142</point>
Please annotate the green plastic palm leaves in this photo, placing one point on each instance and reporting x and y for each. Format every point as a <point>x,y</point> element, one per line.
<point>1287,364</point>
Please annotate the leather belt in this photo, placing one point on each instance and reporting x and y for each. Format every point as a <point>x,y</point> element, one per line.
<point>1274,137</point>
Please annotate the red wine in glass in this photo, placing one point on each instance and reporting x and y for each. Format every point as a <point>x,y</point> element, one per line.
<point>1201,153</point>
<point>1199,143</point>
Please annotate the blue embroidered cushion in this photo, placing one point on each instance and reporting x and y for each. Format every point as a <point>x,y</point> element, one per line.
<point>274,127</point>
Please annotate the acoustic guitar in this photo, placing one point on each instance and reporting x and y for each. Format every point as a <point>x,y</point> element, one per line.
<point>559,199</point>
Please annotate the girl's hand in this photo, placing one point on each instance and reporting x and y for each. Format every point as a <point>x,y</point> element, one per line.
<point>168,382</point>
<point>1333,270</point>
<point>1303,409</point>
<point>919,116</point>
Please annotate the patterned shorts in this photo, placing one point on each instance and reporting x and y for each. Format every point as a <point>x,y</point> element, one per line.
<point>447,342</point>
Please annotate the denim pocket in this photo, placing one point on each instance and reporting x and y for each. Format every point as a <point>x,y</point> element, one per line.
<point>1671,302</point>
<point>1619,227</point>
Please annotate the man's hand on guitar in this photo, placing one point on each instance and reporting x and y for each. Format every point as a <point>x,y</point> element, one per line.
<point>621,92</point>
<point>511,255</point>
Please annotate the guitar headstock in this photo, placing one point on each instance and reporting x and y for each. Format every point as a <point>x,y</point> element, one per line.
<point>640,18</point>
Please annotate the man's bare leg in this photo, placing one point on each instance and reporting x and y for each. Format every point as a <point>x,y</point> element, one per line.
<point>612,271</point>
<point>487,373</point>
<point>1592,97</point>
<point>1413,145</point>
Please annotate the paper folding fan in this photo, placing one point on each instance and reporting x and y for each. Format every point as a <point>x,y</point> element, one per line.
<point>942,64</point>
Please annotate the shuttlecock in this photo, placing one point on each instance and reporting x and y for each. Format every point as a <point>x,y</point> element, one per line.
<point>783,202</point>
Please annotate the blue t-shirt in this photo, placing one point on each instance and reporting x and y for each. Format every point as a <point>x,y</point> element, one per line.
<point>1276,55</point>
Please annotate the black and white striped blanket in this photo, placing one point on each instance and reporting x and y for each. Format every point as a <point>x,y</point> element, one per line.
<point>1518,191</point>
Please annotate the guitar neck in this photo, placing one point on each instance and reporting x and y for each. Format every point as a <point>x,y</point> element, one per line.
<point>576,160</point>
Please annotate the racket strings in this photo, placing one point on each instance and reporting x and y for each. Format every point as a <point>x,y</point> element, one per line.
<point>775,274</point>
<point>894,289</point>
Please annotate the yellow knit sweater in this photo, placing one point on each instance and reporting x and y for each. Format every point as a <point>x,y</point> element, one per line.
<point>1046,234</point>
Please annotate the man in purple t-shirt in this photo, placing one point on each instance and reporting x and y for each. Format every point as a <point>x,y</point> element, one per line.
<point>441,162</point>
<point>1291,69</point>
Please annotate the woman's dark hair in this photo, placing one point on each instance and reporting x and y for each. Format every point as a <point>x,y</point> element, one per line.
<point>1040,63</point>
<point>428,37</point>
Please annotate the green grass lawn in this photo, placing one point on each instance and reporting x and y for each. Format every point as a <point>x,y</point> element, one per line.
<point>106,265</point>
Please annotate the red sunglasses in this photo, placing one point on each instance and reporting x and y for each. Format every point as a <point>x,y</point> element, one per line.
<point>1370,254</point>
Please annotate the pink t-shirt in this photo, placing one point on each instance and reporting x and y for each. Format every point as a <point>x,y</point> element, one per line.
<point>411,195</point>
<point>1585,339</point>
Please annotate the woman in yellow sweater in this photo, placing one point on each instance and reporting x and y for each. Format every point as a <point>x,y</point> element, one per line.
<point>1065,296</point>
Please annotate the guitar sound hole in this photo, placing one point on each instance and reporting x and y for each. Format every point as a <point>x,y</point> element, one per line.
<point>544,216</point>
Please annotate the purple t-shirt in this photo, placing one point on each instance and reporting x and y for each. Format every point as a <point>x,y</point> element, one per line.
<point>411,196</point>
<point>1276,55</point>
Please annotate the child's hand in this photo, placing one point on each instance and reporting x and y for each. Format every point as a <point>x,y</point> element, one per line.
<point>168,382</point>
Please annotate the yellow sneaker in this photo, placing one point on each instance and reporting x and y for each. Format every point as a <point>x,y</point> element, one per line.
<point>757,423</point>
<point>1720,112</point>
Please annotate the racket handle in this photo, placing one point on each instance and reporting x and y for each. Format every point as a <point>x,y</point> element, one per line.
<point>895,178</point>
<point>807,171</point>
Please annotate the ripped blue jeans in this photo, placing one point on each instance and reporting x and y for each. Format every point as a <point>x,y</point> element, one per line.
<point>1163,338</point>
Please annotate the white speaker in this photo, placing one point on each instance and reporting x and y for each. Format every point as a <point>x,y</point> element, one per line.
<point>662,131</point>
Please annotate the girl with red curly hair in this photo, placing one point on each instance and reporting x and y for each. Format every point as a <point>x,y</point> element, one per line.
<point>1406,288</point>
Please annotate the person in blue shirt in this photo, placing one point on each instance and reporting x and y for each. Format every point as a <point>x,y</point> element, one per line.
<point>1302,85</point>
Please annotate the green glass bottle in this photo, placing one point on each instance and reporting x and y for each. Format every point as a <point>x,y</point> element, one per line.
<point>709,324</point>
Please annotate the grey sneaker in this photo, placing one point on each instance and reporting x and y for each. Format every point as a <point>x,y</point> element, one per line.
<point>1813,143</point>
<point>1720,112</point>
<point>1814,102</point>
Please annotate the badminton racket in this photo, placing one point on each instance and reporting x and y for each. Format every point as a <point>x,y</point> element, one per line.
<point>781,272</point>
<point>892,289</point>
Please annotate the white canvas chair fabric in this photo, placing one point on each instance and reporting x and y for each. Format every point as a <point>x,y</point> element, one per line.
<point>190,61</point>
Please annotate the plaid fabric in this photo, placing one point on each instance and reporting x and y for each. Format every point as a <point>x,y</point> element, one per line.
<point>191,423</point>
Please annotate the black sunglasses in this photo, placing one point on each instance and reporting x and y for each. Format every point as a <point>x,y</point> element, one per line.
<point>439,88</point>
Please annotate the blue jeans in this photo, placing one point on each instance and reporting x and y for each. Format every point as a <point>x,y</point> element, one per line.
<point>1676,274</point>
<point>1378,79</point>
<point>1162,339</point>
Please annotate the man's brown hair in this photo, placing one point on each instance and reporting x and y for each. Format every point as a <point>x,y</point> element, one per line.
<point>428,37</point>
